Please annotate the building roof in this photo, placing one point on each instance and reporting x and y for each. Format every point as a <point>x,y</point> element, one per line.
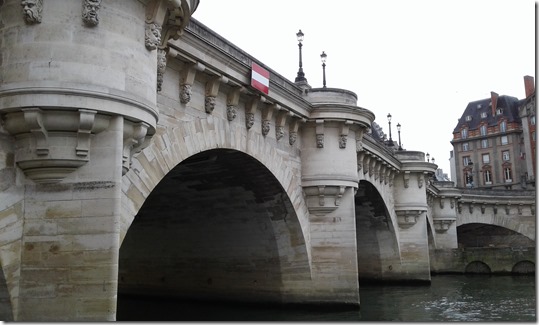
<point>472,114</point>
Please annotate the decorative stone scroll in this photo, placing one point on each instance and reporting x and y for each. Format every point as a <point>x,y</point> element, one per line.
<point>32,11</point>
<point>90,12</point>
<point>134,140</point>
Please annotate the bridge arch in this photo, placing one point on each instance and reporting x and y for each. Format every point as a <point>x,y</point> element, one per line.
<point>501,219</point>
<point>523,267</point>
<point>219,225</point>
<point>477,267</point>
<point>480,234</point>
<point>377,243</point>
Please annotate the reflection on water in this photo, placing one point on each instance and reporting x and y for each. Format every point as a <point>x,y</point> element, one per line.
<point>448,298</point>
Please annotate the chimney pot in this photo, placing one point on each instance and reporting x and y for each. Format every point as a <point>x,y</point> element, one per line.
<point>529,85</point>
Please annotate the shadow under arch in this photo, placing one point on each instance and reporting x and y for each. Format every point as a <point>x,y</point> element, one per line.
<point>219,226</point>
<point>524,268</point>
<point>378,252</point>
<point>487,235</point>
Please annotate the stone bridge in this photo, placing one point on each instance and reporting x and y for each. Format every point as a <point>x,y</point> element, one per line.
<point>137,158</point>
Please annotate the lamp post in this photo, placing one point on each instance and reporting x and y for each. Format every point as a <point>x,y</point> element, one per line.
<point>301,75</point>
<point>428,157</point>
<point>399,131</point>
<point>323,57</point>
<point>390,141</point>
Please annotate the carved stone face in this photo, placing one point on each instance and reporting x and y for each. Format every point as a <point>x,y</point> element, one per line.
<point>161,67</point>
<point>249,120</point>
<point>32,10</point>
<point>342,141</point>
<point>231,112</point>
<point>265,127</point>
<point>185,93</point>
<point>279,132</point>
<point>153,36</point>
<point>90,10</point>
<point>320,141</point>
<point>292,137</point>
<point>209,104</point>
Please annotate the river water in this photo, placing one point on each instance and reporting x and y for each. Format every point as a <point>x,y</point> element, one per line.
<point>460,298</point>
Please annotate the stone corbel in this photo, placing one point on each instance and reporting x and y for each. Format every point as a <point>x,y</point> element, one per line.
<point>152,38</point>
<point>212,89</point>
<point>232,101</point>
<point>250,109</point>
<point>442,225</point>
<point>507,208</point>
<point>293,131</point>
<point>267,113</point>
<point>280,121</point>
<point>471,206</point>
<point>519,208</point>
<point>172,15</point>
<point>495,208</point>
<point>372,165</point>
<point>392,175</point>
<point>532,208</point>
<point>323,199</point>
<point>161,66</point>
<point>452,203</point>
<point>320,133</point>
<point>442,198</point>
<point>360,156</point>
<point>86,124</point>
<point>459,207</point>
<point>377,168</point>
<point>133,142</point>
<point>483,208</point>
<point>359,139</point>
<point>187,78</point>
<point>34,119</point>
<point>406,178</point>
<point>420,180</point>
<point>345,128</point>
<point>366,164</point>
<point>407,218</point>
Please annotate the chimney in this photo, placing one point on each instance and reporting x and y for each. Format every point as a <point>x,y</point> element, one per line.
<point>494,102</point>
<point>529,85</point>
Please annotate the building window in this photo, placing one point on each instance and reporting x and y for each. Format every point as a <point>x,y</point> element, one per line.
<point>466,160</point>
<point>504,139</point>
<point>505,155</point>
<point>483,129</point>
<point>464,133</point>
<point>503,126</point>
<point>499,111</point>
<point>486,158</point>
<point>468,118</point>
<point>507,174</point>
<point>478,106</point>
<point>532,120</point>
<point>483,114</point>
<point>465,146</point>
<point>484,143</point>
<point>487,176</point>
<point>533,135</point>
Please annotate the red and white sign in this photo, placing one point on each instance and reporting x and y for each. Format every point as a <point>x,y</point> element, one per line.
<point>260,78</point>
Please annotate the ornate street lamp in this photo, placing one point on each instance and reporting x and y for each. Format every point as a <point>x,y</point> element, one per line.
<point>428,157</point>
<point>390,141</point>
<point>301,75</point>
<point>399,130</point>
<point>323,57</point>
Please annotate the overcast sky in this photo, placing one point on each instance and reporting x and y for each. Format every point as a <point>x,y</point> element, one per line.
<point>422,61</point>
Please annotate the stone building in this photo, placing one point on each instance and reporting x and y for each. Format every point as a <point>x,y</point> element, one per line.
<point>494,142</point>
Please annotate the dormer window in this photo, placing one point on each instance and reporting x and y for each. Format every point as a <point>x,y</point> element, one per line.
<point>483,114</point>
<point>468,118</point>
<point>499,111</point>
<point>464,133</point>
<point>479,106</point>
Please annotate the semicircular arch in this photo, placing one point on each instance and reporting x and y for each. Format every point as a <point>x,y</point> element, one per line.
<point>507,222</point>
